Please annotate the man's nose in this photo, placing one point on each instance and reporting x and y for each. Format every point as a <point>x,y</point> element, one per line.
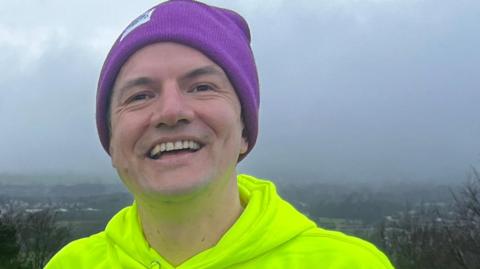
<point>172,108</point>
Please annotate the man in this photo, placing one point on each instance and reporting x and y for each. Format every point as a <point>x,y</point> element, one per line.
<point>177,109</point>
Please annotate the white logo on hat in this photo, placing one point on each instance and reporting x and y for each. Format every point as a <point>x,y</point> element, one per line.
<point>145,17</point>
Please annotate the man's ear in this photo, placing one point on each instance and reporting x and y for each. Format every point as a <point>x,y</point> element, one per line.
<point>244,146</point>
<point>110,152</point>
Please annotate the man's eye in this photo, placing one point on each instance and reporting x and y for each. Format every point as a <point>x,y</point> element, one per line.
<point>202,88</point>
<point>138,97</point>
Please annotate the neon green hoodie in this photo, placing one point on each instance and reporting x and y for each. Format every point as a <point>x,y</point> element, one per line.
<point>270,233</point>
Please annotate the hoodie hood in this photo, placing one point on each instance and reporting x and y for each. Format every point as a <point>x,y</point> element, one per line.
<point>266,223</point>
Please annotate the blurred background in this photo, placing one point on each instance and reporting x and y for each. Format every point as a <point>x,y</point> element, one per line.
<point>369,110</point>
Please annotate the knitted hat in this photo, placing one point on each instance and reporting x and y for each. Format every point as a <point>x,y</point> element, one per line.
<point>220,34</point>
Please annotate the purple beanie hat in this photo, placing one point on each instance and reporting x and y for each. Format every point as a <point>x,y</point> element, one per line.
<point>220,34</point>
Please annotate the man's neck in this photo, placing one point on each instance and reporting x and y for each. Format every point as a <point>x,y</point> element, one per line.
<point>178,231</point>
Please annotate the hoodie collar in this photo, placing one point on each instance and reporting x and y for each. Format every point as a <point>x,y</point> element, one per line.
<point>267,222</point>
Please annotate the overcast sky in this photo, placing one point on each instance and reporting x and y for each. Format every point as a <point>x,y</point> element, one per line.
<point>351,90</point>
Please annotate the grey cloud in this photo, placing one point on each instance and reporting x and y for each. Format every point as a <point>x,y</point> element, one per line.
<point>351,90</point>
<point>48,115</point>
<point>392,97</point>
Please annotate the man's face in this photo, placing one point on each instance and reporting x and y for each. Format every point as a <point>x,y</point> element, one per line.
<point>176,122</point>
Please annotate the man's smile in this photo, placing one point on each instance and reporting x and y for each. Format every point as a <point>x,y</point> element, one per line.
<point>173,147</point>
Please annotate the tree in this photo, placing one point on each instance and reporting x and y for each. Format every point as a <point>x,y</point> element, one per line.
<point>9,247</point>
<point>28,240</point>
<point>415,238</point>
<point>464,233</point>
<point>40,237</point>
<point>433,237</point>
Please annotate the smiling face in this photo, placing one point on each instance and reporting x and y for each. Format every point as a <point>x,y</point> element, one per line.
<point>176,124</point>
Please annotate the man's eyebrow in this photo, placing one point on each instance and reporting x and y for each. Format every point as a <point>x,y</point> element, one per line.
<point>134,83</point>
<point>141,81</point>
<point>206,70</point>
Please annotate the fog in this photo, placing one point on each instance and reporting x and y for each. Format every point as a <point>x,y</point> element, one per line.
<point>350,90</point>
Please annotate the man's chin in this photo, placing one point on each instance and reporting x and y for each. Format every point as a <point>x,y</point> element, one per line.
<point>176,193</point>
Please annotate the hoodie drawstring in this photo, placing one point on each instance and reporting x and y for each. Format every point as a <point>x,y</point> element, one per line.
<point>155,265</point>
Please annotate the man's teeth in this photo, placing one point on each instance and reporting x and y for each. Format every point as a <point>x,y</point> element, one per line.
<point>177,145</point>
